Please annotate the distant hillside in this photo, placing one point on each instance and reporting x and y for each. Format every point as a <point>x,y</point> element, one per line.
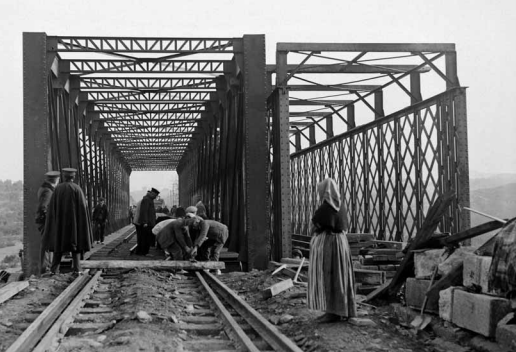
<point>481,181</point>
<point>497,201</point>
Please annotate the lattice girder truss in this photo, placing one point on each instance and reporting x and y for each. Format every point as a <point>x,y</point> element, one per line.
<point>109,106</point>
<point>373,117</point>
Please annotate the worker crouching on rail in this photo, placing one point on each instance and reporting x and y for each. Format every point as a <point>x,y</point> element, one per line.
<point>211,237</point>
<point>173,237</point>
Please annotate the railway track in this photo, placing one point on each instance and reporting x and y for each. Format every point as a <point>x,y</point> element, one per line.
<point>90,310</point>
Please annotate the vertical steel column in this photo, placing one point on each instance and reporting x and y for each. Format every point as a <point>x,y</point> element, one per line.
<point>378,104</point>
<point>415,88</point>
<point>36,141</point>
<point>256,152</point>
<point>282,187</point>
<point>461,130</point>
<point>350,109</point>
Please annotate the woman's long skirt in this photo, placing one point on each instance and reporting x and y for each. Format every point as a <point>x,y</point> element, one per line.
<point>331,280</point>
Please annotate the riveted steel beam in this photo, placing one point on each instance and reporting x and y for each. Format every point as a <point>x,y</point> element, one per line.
<point>349,68</point>
<point>367,47</point>
<point>144,45</point>
<point>147,65</point>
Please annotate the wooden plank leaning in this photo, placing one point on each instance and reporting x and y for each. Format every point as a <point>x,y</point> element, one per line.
<point>12,289</point>
<point>28,339</point>
<point>152,264</point>
<point>424,234</point>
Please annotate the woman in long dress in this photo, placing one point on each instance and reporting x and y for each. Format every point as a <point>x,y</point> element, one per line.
<point>330,277</point>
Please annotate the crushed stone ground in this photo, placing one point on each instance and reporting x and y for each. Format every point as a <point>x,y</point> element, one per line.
<point>154,293</point>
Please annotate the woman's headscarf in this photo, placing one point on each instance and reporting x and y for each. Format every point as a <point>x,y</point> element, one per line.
<point>329,192</point>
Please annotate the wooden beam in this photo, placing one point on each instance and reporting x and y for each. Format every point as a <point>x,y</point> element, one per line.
<point>12,289</point>
<point>423,236</point>
<point>453,278</point>
<point>472,232</point>
<point>154,264</point>
<point>277,288</point>
<point>369,47</point>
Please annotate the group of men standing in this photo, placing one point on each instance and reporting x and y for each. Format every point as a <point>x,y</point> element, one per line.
<point>63,221</point>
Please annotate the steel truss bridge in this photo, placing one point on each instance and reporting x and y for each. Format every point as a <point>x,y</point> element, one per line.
<point>386,121</point>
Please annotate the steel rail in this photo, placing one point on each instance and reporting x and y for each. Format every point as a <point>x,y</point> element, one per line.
<point>266,330</point>
<point>237,332</point>
<point>61,325</point>
<point>29,338</point>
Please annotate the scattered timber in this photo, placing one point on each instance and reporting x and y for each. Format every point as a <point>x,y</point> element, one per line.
<point>277,288</point>
<point>453,278</point>
<point>470,233</point>
<point>12,289</point>
<point>152,264</point>
<point>423,236</point>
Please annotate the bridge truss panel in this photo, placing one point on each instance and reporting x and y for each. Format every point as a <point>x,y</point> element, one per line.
<point>390,170</point>
<point>356,113</point>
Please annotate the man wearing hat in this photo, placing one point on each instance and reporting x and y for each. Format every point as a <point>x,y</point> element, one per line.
<point>100,217</point>
<point>145,221</point>
<point>67,227</point>
<point>44,194</point>
<point>202,211</point>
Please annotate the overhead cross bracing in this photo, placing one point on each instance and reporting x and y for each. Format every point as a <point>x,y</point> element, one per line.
<point>154,86</point>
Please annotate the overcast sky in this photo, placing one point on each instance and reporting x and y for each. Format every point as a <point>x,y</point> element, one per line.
<point>482,31</point>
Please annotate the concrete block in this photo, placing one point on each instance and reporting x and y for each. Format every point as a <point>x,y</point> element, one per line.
<point>506,334</point>
<point>446,303</point>
<point>415,291</point>
<point>478,312</point>
<point>476,271</point>
<point>426,261</point>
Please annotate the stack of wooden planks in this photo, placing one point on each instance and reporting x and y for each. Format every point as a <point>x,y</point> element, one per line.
<point>374,261</point>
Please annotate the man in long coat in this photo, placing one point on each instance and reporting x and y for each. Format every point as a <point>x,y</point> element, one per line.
<point>100,217</point>
<point>145,221</point>
<point>68,225</point>
<point>45,192</point>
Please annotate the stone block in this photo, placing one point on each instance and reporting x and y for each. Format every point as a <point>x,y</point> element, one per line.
<point>415,291</point>
<point>506,334</point>
<point>369,277</point>
<point>446,303</point>
<point>425,262</point>
<point>455,259</point>
<point>478,312</point>
<point>476,271</point>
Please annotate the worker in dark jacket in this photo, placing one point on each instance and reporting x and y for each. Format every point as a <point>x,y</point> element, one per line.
<point>212,235</point>
<point>45,192</point>
<point>68,224</point>
<point>100,217</point>
<point>145,221</point>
